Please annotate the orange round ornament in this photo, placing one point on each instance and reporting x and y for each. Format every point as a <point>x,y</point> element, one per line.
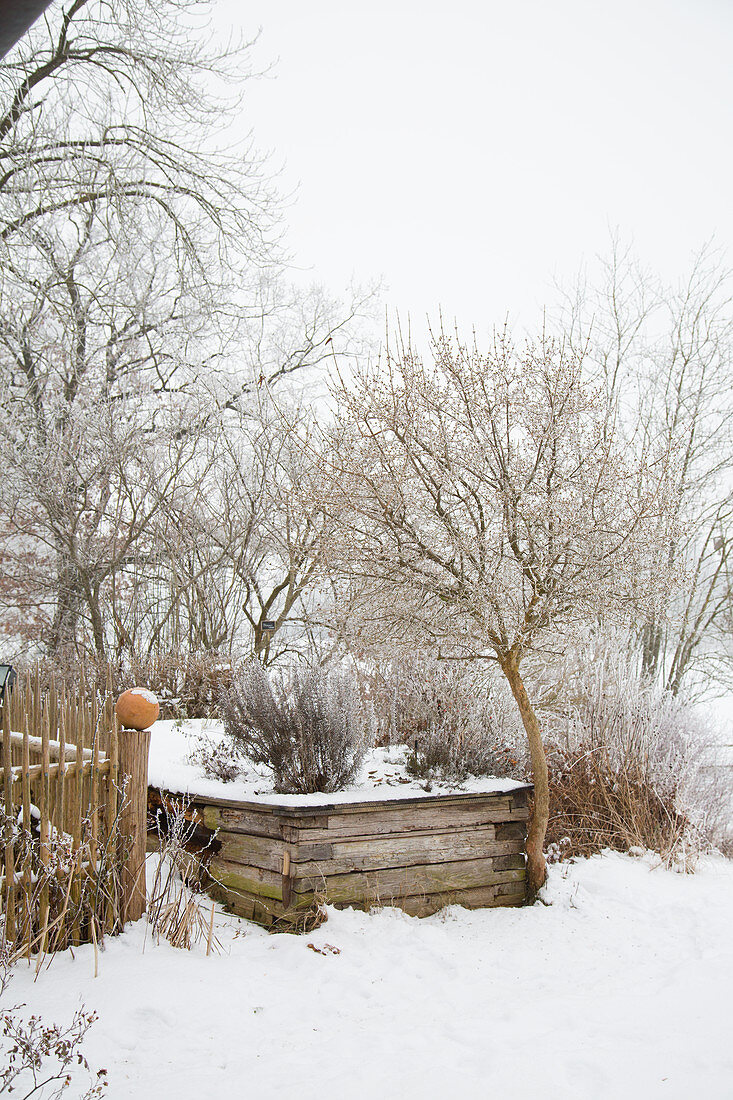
<point>137,708</point>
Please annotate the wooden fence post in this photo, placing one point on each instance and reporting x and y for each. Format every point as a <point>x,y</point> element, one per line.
<point>134,746</point>
<point>9,853</point>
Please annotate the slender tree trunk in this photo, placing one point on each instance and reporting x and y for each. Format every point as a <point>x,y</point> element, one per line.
<point>652,638</point>
<point>95,614</point>
<point>536,866</point>
<point>62,636</point>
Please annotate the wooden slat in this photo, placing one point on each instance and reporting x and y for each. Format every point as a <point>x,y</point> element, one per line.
<point>254,880</point>
<point>424,814</point>
<point>35,771</point>
<point>254,823</point>
<point>417,819</point>
<point>303,812</point>
<point>405,851</point>
<point>482,897</point>
<point>43,806</point>
<point>94,799</point>
<point>27,821</point>
<point>265,911</point>
<point>246,890</point>
<point>76,818</point>
<point>315,861</point>
<point>61,780</point>
<point>383,885</point>
<point>254,851</point>
<point>54,747</point>
<point>112,914</point>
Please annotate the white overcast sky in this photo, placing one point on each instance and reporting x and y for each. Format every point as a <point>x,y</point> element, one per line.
<point>471,152</point>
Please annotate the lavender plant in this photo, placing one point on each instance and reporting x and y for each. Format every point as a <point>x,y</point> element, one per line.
<point>306,727</point>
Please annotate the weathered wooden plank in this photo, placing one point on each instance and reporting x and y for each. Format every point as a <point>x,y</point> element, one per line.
<point>510,830</point>
<point>342,856</point>
<point>245,904</point>
<point>36,771</point>
<point>255,851</point>
<point>482,897</point>
<point>252,822</point>
<point>375,823</point>
<point>405,850</point>
<point>424,905</point>
<point>250,879</point>
<point>424,818</point>
<point>366,819</point>
<point>382,886</point>
<point>56,748</point>
<point>326,808</point>
<point>509,861</point>
<point>511,889</point>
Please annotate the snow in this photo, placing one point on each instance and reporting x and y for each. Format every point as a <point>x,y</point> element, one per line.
<point>148,696</point>
<point>618,987</point>
<point>382,776</point>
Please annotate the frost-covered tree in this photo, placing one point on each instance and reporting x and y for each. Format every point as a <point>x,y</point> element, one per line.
<point>250,548</point>
<point>140,299</point>
<point>665,355</point>
<point>491,508</point>
<point>113,104</point>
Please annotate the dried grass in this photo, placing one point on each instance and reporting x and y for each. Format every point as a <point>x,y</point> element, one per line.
<point>628,770</point>
<point>178,909</point>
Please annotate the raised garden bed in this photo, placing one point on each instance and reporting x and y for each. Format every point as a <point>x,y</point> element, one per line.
<point>273,862</point>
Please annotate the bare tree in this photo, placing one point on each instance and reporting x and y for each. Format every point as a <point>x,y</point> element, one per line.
<point>96,342</point>
<point>263,518</point>
<point>491,509</point>
<point>119,226</point>
<point>665,354</point>
<point>79,509</point>
<point>113,104</point>
<point>138,294</point>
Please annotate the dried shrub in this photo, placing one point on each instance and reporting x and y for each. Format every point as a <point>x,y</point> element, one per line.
<point>39,1058</point>
<point>628,770</point>
<point>455,720</point>
<point>177,907</point>
<point>306,727</point>
<point>594,805</point>
<point>451,751</point>
<point>79,881</point>
<point>220,760</point>
<point>186,683</point>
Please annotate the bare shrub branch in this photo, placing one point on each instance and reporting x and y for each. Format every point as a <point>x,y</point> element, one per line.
<point>307,727</point>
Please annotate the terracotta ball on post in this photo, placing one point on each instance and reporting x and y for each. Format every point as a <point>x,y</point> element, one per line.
<point>137,708</point>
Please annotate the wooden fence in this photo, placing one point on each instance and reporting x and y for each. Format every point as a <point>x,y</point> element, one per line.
<point>69,841</point>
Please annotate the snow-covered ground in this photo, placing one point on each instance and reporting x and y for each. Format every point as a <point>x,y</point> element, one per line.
<point>174,745</point>
<point>620,987</point>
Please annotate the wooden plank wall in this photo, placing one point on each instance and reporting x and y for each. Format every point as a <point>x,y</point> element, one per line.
<point>273,864</point>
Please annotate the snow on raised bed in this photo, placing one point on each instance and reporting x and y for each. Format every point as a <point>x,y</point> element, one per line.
<point>382,776</point>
